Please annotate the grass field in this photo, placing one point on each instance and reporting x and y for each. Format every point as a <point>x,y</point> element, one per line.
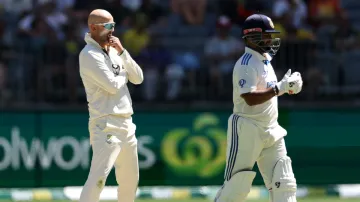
<point>203,200</point>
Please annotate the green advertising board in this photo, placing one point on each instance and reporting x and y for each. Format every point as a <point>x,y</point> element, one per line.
<point>175,148</point>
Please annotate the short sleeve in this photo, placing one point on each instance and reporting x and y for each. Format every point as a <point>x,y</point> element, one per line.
<point>246,79</point>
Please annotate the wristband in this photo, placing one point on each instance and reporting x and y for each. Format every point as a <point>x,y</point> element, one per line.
<point>119,54</point>
<point>276,90</point>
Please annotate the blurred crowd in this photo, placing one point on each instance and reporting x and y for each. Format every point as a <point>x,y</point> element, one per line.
<point>187,48</point>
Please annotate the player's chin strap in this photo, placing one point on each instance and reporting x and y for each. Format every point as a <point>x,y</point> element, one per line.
<point>237,188</point>
<point>283,182</point>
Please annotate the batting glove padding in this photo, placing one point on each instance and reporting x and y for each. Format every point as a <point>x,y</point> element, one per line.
<point>291,83</point>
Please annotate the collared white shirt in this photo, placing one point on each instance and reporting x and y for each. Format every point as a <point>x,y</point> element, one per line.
<point>253,71</point>
<point>105,76</point>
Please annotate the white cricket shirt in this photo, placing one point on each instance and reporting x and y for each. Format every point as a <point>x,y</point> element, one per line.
<point>105,76</point>
<point>253,71</point>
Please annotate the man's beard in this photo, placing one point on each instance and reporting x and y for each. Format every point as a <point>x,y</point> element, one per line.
<point>104,36</point>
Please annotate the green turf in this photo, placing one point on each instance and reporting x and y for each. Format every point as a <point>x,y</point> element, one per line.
<point>299,200</point>
<point>202,200</point>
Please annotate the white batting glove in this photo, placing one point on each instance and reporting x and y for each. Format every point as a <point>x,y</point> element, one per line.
<point>291,83</point>
<point>295,83</point>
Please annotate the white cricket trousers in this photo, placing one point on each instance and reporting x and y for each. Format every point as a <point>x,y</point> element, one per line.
<point>248,143</point>
<point>114,145</point>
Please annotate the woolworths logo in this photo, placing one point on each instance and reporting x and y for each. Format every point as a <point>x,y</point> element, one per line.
<point>199,151</point>
<point>18,153</point>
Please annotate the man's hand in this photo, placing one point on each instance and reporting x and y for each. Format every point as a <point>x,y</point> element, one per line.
<point>295,83</point>
<point>291,83</point>
<point>115,43</point>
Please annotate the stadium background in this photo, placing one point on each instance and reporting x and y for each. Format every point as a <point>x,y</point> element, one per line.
<point>182,107</point>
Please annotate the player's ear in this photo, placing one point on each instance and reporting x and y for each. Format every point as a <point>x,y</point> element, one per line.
<point>92,27</point>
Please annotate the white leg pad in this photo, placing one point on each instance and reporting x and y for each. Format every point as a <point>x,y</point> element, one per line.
<point>283,182</point>
<point>237,188</point>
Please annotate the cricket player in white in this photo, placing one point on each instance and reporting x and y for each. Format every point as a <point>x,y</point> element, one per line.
<point>254,134</point>
<point>105,68</point>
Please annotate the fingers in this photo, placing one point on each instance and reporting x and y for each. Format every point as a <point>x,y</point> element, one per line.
<point>113,41</point>
<point>288,73</point>
<point>113,38</point>
<point>296,74</point>
<point>294,79</point>
<point>294,82</point>
<point>298,87</point>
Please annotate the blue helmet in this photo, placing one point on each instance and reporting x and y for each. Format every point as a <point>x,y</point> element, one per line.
<point>253,29</point>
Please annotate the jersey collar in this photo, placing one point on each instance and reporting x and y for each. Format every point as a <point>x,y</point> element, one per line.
<point>89,40</point>
<point>260,57</point>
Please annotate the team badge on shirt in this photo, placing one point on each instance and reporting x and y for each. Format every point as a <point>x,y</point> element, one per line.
<point>116,69</point>
<point>242,83</point>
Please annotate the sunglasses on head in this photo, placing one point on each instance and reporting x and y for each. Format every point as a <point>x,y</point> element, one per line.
<point>108,26</point>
